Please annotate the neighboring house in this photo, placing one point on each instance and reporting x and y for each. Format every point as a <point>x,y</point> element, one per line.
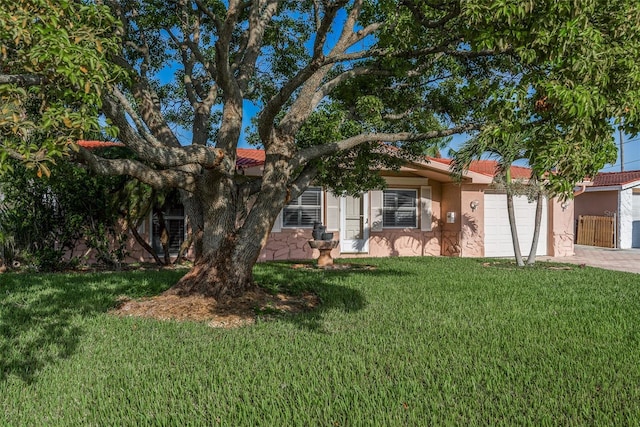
<point>422,212</point>
<point>614,194</point>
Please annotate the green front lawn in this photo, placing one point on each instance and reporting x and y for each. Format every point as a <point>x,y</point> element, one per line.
<point>417,341</point>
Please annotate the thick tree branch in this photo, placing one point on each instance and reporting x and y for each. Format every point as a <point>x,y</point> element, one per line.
<point>303,104</point>
<point>159,179</point>
<point>259,17</point>
<point>275,104</point>
<point>150,111</point>
<point>251,186</point>
<point>223,44</point>
<point>116,114</point>
<point>33,157</point>
<point>201,100</point>
<point>308,154</point>
<point>22,80</point>
<point>303,180</point>
<point>152,151</point>
<point>327,87</point>
<point>188,68</point>
<point>347,35</point>
<point>232,110</point>
<point>324,26</point>
<point>204,9</point>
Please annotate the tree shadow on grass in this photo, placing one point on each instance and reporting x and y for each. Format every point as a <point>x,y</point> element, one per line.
<point>328,284</point>
<point>42,315</point>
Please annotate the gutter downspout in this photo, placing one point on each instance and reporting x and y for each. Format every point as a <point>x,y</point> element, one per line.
<point>582,190</point>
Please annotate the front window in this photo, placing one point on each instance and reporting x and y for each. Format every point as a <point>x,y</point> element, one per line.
<point>174,221</point>
<point>400,208</point>
<point>305,210</point>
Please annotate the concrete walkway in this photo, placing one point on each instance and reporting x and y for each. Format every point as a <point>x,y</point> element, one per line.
<point>609,259</point>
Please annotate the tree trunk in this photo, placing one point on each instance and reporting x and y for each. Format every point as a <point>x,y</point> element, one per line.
<point>536,230</point>
<point>226,273</point>
<point>230,248</point>
<point>134,230</point>
<point>193,210</point>
<point>514,230</point>
<point>184,247</point>
<point>164,236</point>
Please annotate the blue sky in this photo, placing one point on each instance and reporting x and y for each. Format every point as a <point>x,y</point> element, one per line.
<point>631,149</point>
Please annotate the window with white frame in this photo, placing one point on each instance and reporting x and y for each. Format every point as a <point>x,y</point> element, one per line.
<point>305,210</point>
<point>400,208</point>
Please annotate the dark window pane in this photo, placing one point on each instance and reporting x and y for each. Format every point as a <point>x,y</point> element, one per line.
<point>290,217</point>
<point>176,230</point>
<point>303,211</point>
<point>399,208</point>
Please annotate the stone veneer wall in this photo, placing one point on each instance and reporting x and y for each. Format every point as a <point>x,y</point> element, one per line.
<point>291,244</point>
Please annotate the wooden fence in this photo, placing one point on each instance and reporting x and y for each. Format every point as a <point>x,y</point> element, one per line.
<point>596,231</point>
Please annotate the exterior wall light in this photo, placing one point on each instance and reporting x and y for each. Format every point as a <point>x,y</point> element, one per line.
<point>451,217</point>
<point>564,205</point>
<point>474,205</point>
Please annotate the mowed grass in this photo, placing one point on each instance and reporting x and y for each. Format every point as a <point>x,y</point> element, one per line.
<point>417,341</point>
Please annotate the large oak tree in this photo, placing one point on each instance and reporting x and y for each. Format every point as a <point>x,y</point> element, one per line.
<point>326,80</point>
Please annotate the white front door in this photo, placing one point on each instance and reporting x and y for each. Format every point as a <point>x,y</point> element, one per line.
<point>354,224</point>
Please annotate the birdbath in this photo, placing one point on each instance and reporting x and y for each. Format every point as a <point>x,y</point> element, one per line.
<point>325,247</point>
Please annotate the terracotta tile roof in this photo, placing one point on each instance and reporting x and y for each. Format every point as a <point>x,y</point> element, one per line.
<point>246,157</point>
<point>488,168</point>
<point>99,144</point>
<point>607,179</point>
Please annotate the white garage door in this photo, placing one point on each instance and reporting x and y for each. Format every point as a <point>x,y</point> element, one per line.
<point>497,233</point>
<point>635,236</point>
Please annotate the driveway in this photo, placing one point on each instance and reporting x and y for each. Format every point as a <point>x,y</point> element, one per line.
<point>609,259</point>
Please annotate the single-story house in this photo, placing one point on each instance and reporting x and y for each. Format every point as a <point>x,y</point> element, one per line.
<point>615,194</point>
<point>422,212</point>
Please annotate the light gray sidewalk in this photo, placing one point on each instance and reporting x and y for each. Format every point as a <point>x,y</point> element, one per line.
<point>610,259</point>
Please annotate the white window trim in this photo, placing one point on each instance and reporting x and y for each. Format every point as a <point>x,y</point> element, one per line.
<point>280,219</point>
<point>416,208</point>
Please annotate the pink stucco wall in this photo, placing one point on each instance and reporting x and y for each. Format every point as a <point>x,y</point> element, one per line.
<point>561,228</point>
<point>471,222</point>
<point>450,231</point>
<point>409,242</point>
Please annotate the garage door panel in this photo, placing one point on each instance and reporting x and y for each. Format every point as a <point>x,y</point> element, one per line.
<point>497,232</point>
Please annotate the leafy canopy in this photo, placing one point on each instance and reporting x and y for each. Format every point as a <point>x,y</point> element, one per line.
<point>55,68</point>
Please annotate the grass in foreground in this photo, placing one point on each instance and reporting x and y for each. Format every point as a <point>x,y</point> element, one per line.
<point>418,341</point>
